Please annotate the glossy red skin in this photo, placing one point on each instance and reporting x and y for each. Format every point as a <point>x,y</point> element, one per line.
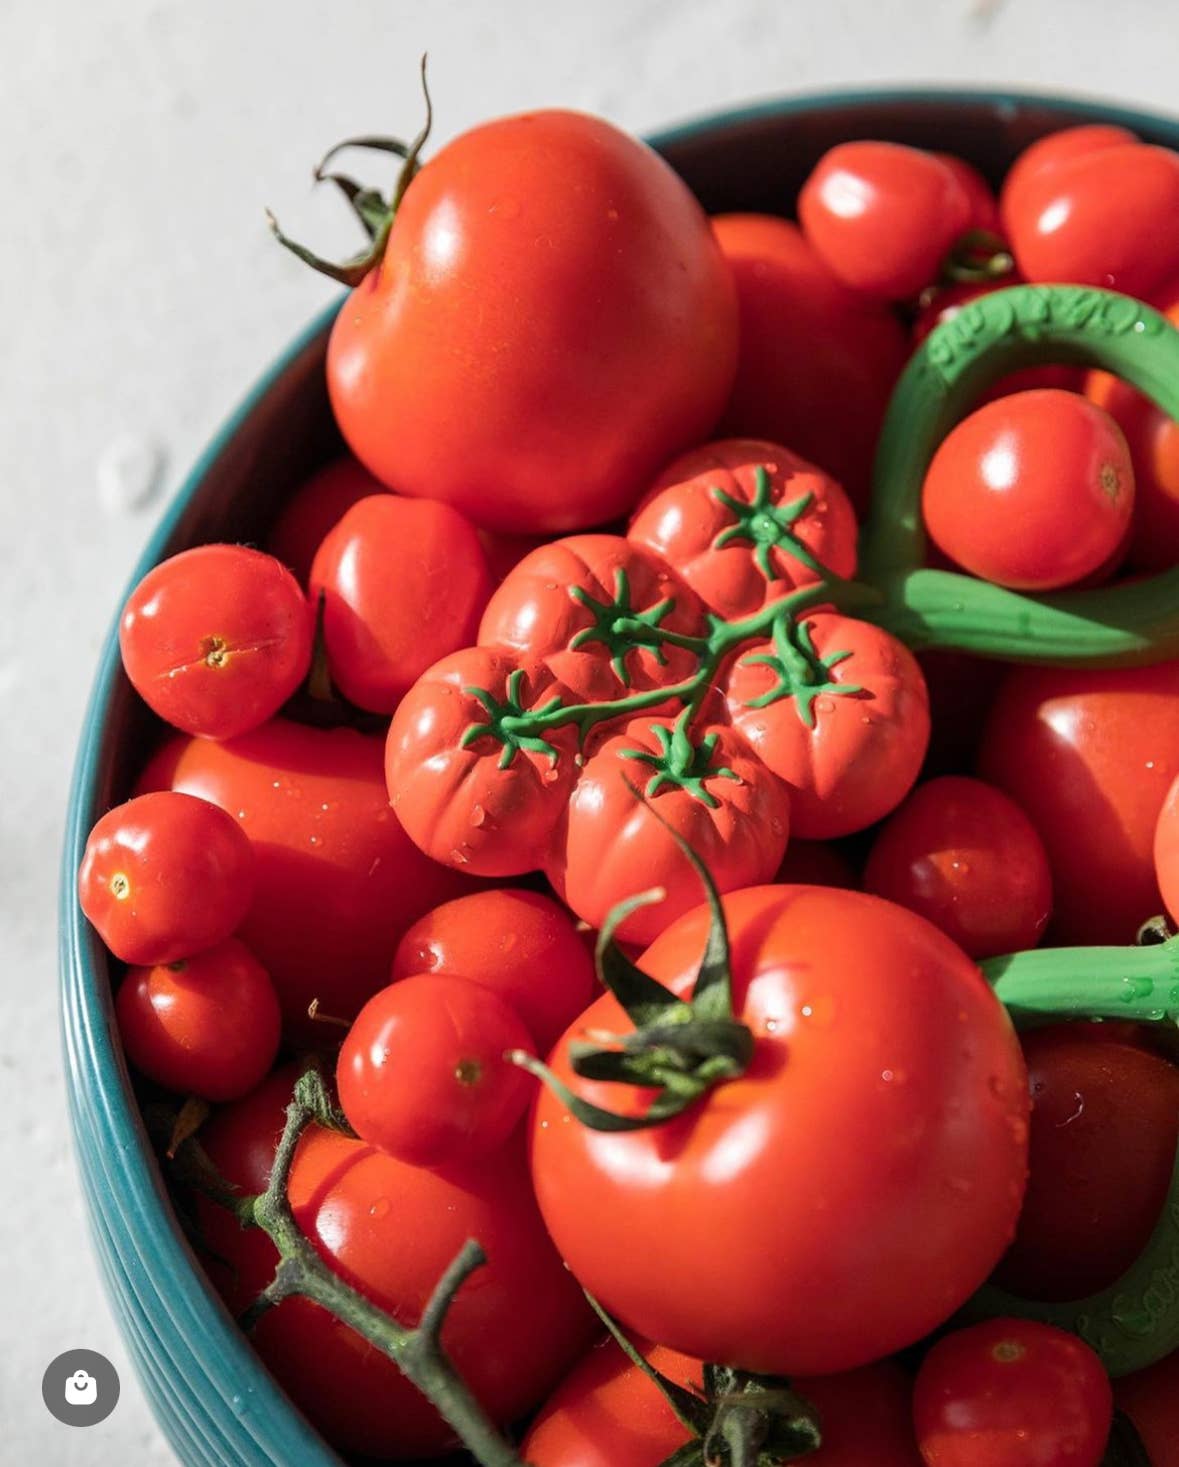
<point>886,1085</point>
<point>1034,491</point>
<point>1105,1124</point>
<point>1041,159</point>
<point>403,582</point>
<point>681,519</point>
<point>216,639</point>
<point>520,944</point>
<point>1107,217</point>
<point>535,615</point>
<point>608,1413</point>
<point>183,878</point>
<point>1090,756</point>
<point>1166,850</point>
<point>338,879</point>
<point>984,206</point>
<point>814,863</point>
<point>316,506</point>
<point>963,855</point>
<point>1151,1400</point>
<point>610,844</point>
<point>390,1230</point>
<point>826,402</point>
<point>457,803</point>
<point>863,755</point>
<point>206,1025</point>
<point>605,340</point>
<point>422,1072</point>
<point>883,216</point>
<point>1015,1392</point>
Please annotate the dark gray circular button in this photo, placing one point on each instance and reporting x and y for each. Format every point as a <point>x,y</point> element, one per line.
<point>81,1388</point>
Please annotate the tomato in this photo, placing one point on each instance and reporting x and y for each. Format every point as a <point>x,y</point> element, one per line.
<point>1105,1124</point>
<point>206,1025</point>
<point>390,1230</point>
<point>848,725</point>
<point>559,603</point>
<point>883,216</point>
<point>984,207</point>
<point>964,855</point>
<point>1166,850</point>
<point>338,879</point>
<point>403,582</point>
<point>316,507</point>
<point>164,876</point>
<point>1090,756</point>
<point>608,1413</point>
<point>744,522</point>
<point>1015,1392</point>
<point>613,841</point>
<point>505,552</point>
<point>216,639</point>
<point>483,805</point>
<point>604,341</point>
<point>1042,159</point>
<point>813,863</point>
<point>817,361</point>
<point>423,1075</point>
<point>1151,1400</point>
<point>886,1086</point>
<point>520,944</point>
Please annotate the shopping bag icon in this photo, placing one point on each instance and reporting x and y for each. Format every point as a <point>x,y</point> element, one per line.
<point>81,1389</point>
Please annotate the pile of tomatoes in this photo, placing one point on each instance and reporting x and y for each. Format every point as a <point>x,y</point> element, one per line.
<point>575,616</point>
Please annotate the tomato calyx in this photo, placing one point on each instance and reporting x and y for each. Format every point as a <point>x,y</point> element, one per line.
<point>680,763</point>
<point>765,525</point>
<point>802,673</point>
<point>978,258</point>
<point>508,721</point>
<point>621,629</point>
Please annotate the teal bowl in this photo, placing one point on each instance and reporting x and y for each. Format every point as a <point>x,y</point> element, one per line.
<point>215,1401</point>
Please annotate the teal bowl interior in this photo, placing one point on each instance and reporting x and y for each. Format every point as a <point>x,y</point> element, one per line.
<point>214,1400</point>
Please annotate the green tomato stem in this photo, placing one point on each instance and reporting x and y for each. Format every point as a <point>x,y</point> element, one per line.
<point>1136,983</point>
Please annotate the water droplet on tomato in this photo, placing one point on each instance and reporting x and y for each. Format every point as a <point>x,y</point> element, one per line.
<point>478,815</point>
<point>380,1207</point>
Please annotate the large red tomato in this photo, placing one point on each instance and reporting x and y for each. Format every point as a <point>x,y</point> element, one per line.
<point>1090,757</point>
<point>604,341</point>
<point>771,1225</point>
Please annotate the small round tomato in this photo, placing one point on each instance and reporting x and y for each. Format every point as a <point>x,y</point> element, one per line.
<point>1041,159</point>
<point>468,792</point>
<point>315,507</point>
<point>883,216</point>
<point>1105,1124</point>
<point>165,876</point>
<point>520,944</point>
<point>744,522</point>
<point>1166,851</point>
<point>815,863</point>
<point>206,1025</point>
<point>560,606</point>
<point>403,582</point>
<point>826,401</point>
<point>1150,1398</point>
<point>423,1075</point>
<point>964,855</point>
<point>391,1230</point>
<point>1034,491</point>
<point>613,841</point>
<point>603,343</point>
<point>1015,1392</point>
<point>838,710</point>
<point>1090,755</point>
<point>216,639</point>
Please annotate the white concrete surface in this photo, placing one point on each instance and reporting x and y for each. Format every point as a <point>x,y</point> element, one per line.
<point>140,294</point>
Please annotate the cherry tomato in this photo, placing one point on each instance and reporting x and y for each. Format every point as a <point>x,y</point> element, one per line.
<point>1090,755</point>
<point>848,725</point>
<point>984,206</point>
<point>613,841</point>
<point>520,944</point>
<point>826,401</point>
<point>165,876</point>
<point>1034,491</point>
<point>1166,850</point>
<point>338,878</point>
<point>216,639</point>
<point>744,522</point>
<point>814,863</point>
<point>423,1075</point>
<point>316,507</point>
<point>1041,159</point>
<point>1015,1392</point>
<point>390,1230</point>
<point>886,1085</point>
<point>604,341</point>
<point>478,803</point>
<point>404,582</point>
<point>206,1025</point>
<point>1105,1124</point>
<point>964,855</point>
<point>1151,1400</point>
<point>883,216</point>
